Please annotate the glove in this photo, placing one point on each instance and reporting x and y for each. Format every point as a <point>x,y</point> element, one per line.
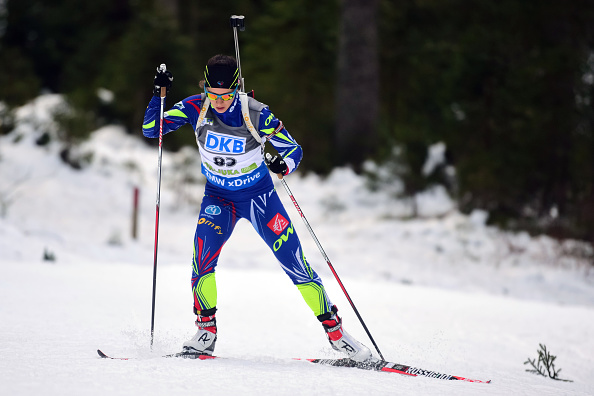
<point>162,79</point>
<point>276,164</point>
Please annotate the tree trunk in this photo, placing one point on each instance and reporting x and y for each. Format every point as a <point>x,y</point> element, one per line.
<point>357,101</point>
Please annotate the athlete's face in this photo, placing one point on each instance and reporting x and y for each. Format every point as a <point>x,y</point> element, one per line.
<point>219,104</point>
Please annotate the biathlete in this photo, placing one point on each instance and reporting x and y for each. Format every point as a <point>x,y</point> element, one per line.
<point>239,186</point>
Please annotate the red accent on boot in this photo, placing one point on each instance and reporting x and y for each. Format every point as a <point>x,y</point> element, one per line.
<point>336,334</point>
<point>212,329</point>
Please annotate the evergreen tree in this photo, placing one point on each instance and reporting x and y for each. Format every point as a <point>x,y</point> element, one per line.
<point>357,98</point>
<point>289,58</point>
<point>497,82</point>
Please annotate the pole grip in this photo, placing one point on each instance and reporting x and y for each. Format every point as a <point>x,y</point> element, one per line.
<point>163,69</point>
<point>237,21</point>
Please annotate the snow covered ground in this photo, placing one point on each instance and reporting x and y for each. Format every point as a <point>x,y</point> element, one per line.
<point>442,292</point>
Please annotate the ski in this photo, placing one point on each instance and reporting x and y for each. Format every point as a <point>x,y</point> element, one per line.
<point>373,365</point>
<point>185,355</point>
<point>104,356</point>
<point>381,365</point>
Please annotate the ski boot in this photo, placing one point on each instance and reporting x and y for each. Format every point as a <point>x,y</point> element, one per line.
<point>203,342</point>
<point>341,340</point>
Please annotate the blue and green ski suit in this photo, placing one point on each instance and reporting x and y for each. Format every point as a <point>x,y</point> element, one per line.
<point>238,186</point>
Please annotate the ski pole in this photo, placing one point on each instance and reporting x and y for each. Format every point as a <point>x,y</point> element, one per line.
<point>162,69</point>
<point>238,21</point>
<point>286,186</point>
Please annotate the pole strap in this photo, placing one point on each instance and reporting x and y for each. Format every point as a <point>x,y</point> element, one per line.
<point>203,111</point>
<point>245,111</point>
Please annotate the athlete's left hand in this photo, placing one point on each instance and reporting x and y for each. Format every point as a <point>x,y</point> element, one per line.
<point>276,164</point>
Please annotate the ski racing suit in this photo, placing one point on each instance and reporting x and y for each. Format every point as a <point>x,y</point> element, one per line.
<point>239,185</point>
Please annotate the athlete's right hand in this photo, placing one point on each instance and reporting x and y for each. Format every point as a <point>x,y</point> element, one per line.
<point>162,79</point>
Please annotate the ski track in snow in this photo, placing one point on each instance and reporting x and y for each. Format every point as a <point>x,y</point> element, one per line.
<point>447,294</point>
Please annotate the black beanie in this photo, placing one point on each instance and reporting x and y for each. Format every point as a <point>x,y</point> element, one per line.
<point>221,76</point>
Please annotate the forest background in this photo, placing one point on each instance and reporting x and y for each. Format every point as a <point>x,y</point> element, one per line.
<point>504,88</point>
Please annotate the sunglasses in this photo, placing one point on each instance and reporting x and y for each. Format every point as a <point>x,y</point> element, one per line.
<point>226,96</point>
